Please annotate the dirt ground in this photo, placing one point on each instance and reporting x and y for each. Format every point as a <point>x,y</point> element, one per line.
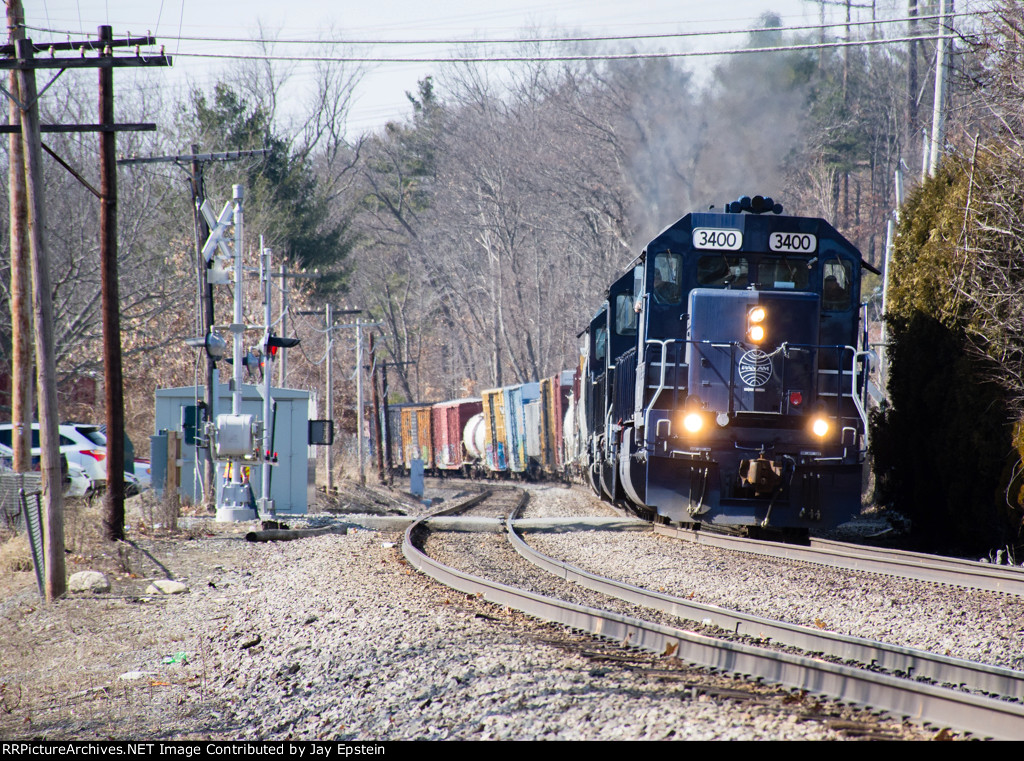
<point>61,659</point>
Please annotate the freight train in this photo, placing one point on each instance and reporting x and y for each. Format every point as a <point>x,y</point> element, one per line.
<point>723,381</point>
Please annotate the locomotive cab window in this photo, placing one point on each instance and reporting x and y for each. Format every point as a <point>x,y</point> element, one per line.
<point>782,274</point>
<point>720,271</point>
<point>835,286</point>
<point>600,344</point>
<point>668,278</point>
<point>625,315</point>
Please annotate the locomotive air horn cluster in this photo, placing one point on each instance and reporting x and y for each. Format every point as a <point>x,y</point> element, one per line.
<point>755,205</point>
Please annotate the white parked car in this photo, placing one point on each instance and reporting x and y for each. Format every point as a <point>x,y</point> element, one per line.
<point>79,484</point>
<point>144,472</point>
<point>76,481</point>
<point>86,446</point>
<point>83,445</point>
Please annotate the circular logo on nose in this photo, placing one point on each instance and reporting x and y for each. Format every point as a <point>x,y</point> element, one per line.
<point>755,368</point>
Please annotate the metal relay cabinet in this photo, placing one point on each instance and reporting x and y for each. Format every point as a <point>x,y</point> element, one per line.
<point>293,481</point>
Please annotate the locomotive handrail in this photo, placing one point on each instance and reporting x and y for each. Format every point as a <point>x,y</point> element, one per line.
<point>661,380</point>
<point>786,347</point>
<point>868,356</point>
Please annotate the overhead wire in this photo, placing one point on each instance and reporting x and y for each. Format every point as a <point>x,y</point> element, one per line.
<point>557,39</point>
<point>580,57</point>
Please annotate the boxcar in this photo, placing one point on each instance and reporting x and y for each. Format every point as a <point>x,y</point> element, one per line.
<point>417,442</point>
<point>449,421</point>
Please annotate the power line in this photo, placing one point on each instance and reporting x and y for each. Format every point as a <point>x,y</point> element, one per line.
<point>540,40</point>
<point>581,57</point>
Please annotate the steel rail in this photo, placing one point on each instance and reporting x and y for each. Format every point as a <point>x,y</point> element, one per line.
<point>1012,574</point>
<point>929,568</point>
<point>913,663</point>
<point>919,702</point>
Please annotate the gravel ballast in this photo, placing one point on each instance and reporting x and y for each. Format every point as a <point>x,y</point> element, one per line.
<point>337,637</point>
<point>979,626</point>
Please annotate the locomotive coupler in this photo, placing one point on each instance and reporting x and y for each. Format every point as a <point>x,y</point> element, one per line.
<point>762,474</point>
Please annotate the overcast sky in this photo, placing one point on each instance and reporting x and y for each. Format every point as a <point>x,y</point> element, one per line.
<point>381,95</point>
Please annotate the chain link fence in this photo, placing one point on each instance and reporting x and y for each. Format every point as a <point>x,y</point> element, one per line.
<point>21,511</point>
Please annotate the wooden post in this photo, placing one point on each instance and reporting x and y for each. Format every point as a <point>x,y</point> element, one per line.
<point>21,282</point>
<point>173,479</point>
<point>376,411</point>
<point>42,308</point>
<point>113,500</point>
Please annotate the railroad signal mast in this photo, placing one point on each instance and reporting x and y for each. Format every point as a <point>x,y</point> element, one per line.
<point>235,439</point>
<point>328,312</point>
<point>204,218</point>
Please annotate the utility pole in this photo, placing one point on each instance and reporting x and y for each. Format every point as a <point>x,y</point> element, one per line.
<point>113,499</point>
<point>202,230</point>
<point>912,116</point>
<point>360,417</point>
<point>284,274</point>
<point>942,42</point>
<point>329,455</point>
<point>42,309</point>
<point>282,372</point>
<point>21,282</point>
<point>377,426</point>
<point>26,64</point>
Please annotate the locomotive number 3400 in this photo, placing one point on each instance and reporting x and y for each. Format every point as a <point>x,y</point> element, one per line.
<point>800,243</point>
<point>719,239</point>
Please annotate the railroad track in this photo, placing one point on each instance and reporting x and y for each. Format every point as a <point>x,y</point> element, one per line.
<point>907,565</point>
<point>918,701</point>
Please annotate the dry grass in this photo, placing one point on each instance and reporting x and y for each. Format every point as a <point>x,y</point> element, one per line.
<point>15,555</point>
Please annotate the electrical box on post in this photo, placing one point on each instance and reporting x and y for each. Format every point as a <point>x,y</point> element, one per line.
<point>237,435</point>
<point>192,418</point>
<point>321,432</point>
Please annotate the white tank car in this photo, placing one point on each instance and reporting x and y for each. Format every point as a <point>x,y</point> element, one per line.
<point>474,438</point>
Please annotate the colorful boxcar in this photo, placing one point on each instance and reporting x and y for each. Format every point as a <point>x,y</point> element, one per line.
<point>449,421</point>
<point>495,458</point>
<point>417,442</point>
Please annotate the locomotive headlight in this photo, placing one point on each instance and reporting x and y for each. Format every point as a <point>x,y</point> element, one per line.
<point>820,427</point>
<point>755,324</point>
<point>693,422</point>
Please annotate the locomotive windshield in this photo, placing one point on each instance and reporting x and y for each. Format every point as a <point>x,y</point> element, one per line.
<point>600,344</point>
<point>835,286</point>
<point>625,315</point>
<point>782,273</point>
<point>721,271</point>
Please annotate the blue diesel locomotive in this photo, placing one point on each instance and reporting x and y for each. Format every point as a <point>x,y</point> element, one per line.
<point>726,374</point>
